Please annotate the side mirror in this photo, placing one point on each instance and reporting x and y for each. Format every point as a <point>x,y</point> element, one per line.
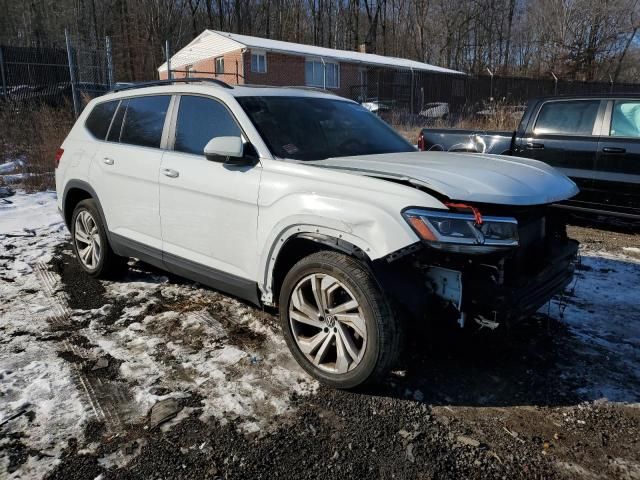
<point>224,149</point>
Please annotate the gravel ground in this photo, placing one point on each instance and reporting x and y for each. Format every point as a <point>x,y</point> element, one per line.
<point>550,399</point>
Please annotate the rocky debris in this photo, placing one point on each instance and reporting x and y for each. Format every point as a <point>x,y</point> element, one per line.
<point>464,440</point>
<point>163,411</point>
<point>102,362</point>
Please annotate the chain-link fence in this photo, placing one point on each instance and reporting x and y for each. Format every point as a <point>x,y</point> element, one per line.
<point>401,96</point>
<point>64,76</point>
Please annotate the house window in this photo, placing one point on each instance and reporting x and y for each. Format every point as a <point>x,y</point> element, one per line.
<point>187,70</point>
<point>319,74</point>
<point>219,66</point>
<point>259,62</point>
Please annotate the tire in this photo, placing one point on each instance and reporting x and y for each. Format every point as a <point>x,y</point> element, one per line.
<point>88,231</point>
<point>369,334</point>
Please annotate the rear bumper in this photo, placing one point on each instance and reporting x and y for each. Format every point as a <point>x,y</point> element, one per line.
<point>483,297</point>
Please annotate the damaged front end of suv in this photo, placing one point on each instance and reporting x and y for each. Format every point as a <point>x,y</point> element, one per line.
<point>482,263</point>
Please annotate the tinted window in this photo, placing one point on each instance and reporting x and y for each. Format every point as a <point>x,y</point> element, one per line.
<point>625,118</point>
<point>199,120</point>
<point>571,117</point>
<point>304,128</point>
<point>100,118</point>
<point>144,120</point>
<point>116,125</point>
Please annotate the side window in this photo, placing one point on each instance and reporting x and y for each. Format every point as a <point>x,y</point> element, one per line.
<point>568,117</point>
<point>116,125</point>
<point>259,62</point>
<point>100,118</point>
<point>199,120</point>
<point>144,120</point>
<point>219,66</point>
<point>625,118</point>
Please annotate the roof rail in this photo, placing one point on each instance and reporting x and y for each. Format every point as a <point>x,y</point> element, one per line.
<point>155,83</point>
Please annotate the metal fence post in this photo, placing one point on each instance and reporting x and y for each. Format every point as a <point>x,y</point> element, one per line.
<point>72,74</point>
<point>168,58</point>
<point>109,54</point>
<point>611,83</point>
<point>4,78</point>
<point>412,88</point>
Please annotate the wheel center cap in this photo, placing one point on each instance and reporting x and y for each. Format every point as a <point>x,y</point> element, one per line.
<point>330,320</point>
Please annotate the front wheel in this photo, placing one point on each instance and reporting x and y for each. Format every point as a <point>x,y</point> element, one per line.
<point>337,322</point>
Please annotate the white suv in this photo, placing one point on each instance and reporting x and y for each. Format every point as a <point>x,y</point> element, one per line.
<point>305,200</point>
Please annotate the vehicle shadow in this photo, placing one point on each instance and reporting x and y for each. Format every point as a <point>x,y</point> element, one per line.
<point>522,366</point>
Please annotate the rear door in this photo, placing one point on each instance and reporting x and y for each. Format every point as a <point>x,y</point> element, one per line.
<point>208,209</point>
<point>617,173</point>
<point>125,171</point>
<point>565,134</point>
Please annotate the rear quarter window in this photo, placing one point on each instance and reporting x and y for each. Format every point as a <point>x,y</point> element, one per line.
<point>99,119</point>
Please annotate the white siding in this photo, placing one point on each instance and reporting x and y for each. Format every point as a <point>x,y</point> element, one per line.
<point>206,45</point>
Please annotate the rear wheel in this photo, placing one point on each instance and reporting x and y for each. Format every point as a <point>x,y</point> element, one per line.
<point>337,322</point>
<point>90,242</point>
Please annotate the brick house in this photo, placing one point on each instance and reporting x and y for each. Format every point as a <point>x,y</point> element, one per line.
<point>242,59</point>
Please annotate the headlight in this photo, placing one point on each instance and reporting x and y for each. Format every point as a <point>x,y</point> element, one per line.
<point>462,232</point>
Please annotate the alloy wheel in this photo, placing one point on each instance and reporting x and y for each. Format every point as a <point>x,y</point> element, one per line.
<point>87,239</point>
<point>327,323</point>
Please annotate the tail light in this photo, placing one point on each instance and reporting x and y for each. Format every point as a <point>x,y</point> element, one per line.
<point>59,156</point>
<point>421,142</point>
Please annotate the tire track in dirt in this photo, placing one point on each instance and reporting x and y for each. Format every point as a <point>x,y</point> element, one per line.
<point>95,392</point>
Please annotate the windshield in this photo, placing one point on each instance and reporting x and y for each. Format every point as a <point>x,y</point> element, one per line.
<point>308,128</point>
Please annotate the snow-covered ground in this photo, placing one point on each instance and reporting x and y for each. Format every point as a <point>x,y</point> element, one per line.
<point>149,338</point>
<point>179,353</point>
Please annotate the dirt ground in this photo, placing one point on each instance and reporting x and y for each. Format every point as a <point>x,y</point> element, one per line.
<point>151,376</point>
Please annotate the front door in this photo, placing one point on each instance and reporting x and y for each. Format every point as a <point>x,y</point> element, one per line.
<point>208,210</point>
<point>617,175</point>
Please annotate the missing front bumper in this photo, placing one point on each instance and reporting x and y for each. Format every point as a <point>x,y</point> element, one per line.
<point>487,299</point>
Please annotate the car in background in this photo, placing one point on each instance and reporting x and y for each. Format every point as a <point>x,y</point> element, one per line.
<point>435,111</point>
<point>375,106</point>
<point>593,139</point>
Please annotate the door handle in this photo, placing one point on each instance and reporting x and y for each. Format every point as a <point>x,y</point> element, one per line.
<point>168,172</point>
<point>108,161</point>
<point>614,150</point>
<point>534,146</point>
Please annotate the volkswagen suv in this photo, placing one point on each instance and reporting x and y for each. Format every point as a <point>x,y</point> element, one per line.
<point>305,201</point>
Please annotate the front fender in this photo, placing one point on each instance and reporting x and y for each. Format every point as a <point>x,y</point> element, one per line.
<point>296,198</point>
<point>376,234</point>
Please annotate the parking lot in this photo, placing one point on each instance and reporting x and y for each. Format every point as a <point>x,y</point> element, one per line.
<point>153,376</point>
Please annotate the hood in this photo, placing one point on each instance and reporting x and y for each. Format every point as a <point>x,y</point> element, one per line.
<point>471,177</point>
